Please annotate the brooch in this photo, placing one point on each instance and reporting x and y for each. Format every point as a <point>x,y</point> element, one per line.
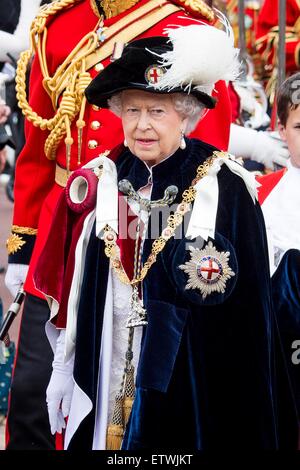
<point>154,73</point>
<point>208,270</point>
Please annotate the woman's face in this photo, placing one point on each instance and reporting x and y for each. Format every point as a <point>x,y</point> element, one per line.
<point>152,126</point>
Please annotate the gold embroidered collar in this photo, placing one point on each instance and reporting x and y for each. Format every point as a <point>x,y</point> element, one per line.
<point>112,8</point>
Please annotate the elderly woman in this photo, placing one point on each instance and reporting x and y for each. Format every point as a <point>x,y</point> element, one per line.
<point>171,278</point>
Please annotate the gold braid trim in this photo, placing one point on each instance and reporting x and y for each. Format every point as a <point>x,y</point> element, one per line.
<point>24,230</point>
<point>72,69</point>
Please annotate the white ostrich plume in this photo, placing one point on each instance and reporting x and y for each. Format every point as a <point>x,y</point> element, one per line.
<point>201,56</point>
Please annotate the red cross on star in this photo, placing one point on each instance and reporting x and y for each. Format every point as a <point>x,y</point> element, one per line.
<point>210,269</point>
<point>154,75</point>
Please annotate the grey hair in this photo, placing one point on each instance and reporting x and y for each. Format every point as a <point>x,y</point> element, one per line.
<point>189,107</point>
<point>186,105</point>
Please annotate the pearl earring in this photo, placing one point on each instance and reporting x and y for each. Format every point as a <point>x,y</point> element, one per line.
<point>182,141</point>
<point>125,143</point>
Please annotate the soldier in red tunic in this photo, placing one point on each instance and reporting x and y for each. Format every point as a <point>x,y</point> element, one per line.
<point>73,40</point>
<point>267,37</point>
<point>251,12</point>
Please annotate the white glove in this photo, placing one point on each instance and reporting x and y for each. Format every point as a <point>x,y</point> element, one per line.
<point>257,145</point>
<point>15,277</point>
<point>60,389</point>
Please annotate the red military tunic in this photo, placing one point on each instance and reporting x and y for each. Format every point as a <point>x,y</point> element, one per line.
<point>36,192</point>
<point>267,34</point>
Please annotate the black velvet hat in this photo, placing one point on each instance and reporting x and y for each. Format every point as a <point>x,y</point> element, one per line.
<point>189,59</point>
<point>139,68</point>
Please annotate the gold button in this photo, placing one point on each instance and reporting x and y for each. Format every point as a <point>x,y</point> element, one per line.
<point>98,67</point>
<point>95,108</point>
<point>92,144</point>
<point>95,125</point>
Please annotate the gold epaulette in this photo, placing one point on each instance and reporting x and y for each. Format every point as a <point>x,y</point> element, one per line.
<point>114,8</point>
<point>198,7</point>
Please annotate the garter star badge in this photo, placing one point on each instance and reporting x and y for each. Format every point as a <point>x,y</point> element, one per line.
<point>154,73</point>
<point>208,270</point>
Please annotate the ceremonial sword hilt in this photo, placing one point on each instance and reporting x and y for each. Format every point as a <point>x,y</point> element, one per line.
<point>11,315</point>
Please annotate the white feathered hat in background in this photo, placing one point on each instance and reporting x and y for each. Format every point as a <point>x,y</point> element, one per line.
<point>190,59</point>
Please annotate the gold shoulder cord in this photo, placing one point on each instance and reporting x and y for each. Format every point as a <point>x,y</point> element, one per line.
<point>24,230</point>
<point>73,100</point>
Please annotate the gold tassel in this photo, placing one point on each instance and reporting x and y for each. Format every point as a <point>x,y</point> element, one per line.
<point>69,142</point>
<point>129,393</point>
<point>127,405</point>
<point>80,125</point>
<point>114,437</point>
<point>115,429</point>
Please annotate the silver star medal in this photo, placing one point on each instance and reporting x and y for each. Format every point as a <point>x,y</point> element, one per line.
<point>137,316</point>
<point>208,270</point>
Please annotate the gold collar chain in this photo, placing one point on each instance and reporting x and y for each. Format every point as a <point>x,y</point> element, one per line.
<point>112,8</point>
<point>175,220</point>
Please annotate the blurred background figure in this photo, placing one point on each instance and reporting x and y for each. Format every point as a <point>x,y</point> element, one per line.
<point>4,140</point>
<point>15,20</point>
<point>250,136</point>
<point>267,36</point>
<point>4,113</point>
<point>252,8</point>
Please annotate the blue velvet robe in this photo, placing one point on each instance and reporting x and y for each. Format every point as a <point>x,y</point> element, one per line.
<point>206,372</point>
<point>286,298</point>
